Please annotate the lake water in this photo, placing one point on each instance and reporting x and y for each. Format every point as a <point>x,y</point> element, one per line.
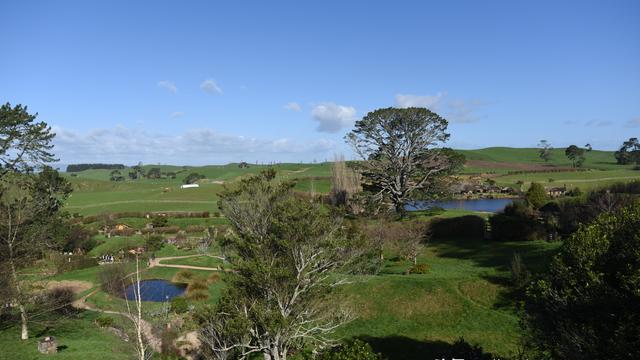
<point>155,290</point>
<point>485,205</point>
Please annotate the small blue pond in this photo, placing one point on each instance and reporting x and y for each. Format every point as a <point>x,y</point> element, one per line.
<point>485,205</point>
<point>155,290</point>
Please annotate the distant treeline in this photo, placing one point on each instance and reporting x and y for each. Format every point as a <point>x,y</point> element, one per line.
<point>82,167</point>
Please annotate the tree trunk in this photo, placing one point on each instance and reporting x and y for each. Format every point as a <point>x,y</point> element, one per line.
<point>24,334</point>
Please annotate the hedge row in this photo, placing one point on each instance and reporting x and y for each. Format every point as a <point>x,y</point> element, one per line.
<point>141,214</point>
<point>542,171</point>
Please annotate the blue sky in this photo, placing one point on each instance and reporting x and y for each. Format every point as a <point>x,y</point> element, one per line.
<point>213,82</point>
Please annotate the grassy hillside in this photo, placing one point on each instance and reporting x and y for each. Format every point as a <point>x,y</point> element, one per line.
<point>94,193</point>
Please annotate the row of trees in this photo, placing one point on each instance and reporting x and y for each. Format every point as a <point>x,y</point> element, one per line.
<point>576,154</point>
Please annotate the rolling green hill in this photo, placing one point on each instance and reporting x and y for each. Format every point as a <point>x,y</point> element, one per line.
<point>94,193</point>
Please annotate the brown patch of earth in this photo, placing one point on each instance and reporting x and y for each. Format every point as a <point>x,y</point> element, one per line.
<point>76,286</point>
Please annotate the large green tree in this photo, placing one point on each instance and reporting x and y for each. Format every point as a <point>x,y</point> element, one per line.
<point>24,143</point>
<point>287,255</point>
<point>575,154</point>
<point>29,213</point>
<point>399,147</point>
<point>544,150</point>
<point>587,306</point>
<point>629,152</point>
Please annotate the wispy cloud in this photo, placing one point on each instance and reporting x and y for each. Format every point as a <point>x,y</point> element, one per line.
<point>598,123</point>
<point>130,145</point>
<point>176,114</point>
<point>293,106</point>
<point>635,122</point>
<point>430,102</point>
<point>168,85</point>
<point>332,117</point>
<point>210,86</point>
<point>462,111</point>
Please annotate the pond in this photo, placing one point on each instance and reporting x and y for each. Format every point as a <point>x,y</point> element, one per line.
<point>155,290</point>
<point>485,205</point>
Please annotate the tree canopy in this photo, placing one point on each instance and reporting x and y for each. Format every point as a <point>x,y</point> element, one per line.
<point>400,149</point>
<point>24,143</point>
<point>587,306</point>
<point>629,152</point>
<point>575,154</point>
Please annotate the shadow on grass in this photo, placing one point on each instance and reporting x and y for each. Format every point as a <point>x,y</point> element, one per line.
<point>486,253</point>
<point>404,348</point>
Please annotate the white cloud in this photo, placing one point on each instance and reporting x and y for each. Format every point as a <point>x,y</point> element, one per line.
<point>456,110</point>
<point>176,114</point>
<point>168,85</point>
<point>599,123</point>
<point>635,122</point>
<point>332,117</point>
<point>463,111</point>
<point>430,102</point>
<point>293,106</point>
<point>203,146</point>
<point>210,86</point>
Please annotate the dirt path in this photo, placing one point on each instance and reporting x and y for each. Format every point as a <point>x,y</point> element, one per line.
<point>154,342</point>
<point>157,262</point>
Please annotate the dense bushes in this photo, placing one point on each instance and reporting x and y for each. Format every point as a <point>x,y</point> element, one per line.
<point>162,230</point>
<point>82,167</point>
<point>59,300</point>
<point>587,306</point>
<point>179,305</point>
<point>353,350</point>
<point>154,242</point>
<point>469,226</point>
<point>517,222</point>
<point>140,214</point>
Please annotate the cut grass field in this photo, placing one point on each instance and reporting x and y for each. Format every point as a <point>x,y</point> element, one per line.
<point>465,294</point>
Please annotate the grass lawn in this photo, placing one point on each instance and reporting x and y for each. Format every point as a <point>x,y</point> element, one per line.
<point>206,261</point>
<point>465,294</point>
<point>78,338</point>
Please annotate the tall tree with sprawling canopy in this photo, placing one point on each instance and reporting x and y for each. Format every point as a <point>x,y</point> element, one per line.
<point>24,143</point>
<point>400,149</point>
<point>575,154</point>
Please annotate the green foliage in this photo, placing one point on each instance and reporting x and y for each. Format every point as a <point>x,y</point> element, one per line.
<point>104,321</point>
<point>398,147</point>
<point>154,242</point>
<point>418,269</point>
<point>519,274</point>
<point>468,226</point>
<point>544,151</point>
<point>64,263</point>
<point>586,305</point>
<point>352,350</point>
<point>536,196</point>
<point>193,178</point>
<point>24,143</point>
<point>576,155</point>
<point>629,152</point>
<point>179,305</point>
<point>160,221</point>
<point>517,222</point>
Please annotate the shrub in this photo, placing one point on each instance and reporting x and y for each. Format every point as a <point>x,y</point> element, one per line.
<point>519,274</point>
<point>105,321</point>
<point>536,196</point>
<point>160,221</point>
<point>154,242</point>
<point>586,305</point>
<point>518,222</point>
<point>353,350</point>
<point>419,269</point>
<point>59,299</point>
<point>179,305</point>
<point>194,229</point>
<point>197,284</point>
<point>213,278</point>
<point>469,226</point>
<point>199,295</point>
<point>123,232</point>
<point>111,278</point>
<point>183,276</point>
